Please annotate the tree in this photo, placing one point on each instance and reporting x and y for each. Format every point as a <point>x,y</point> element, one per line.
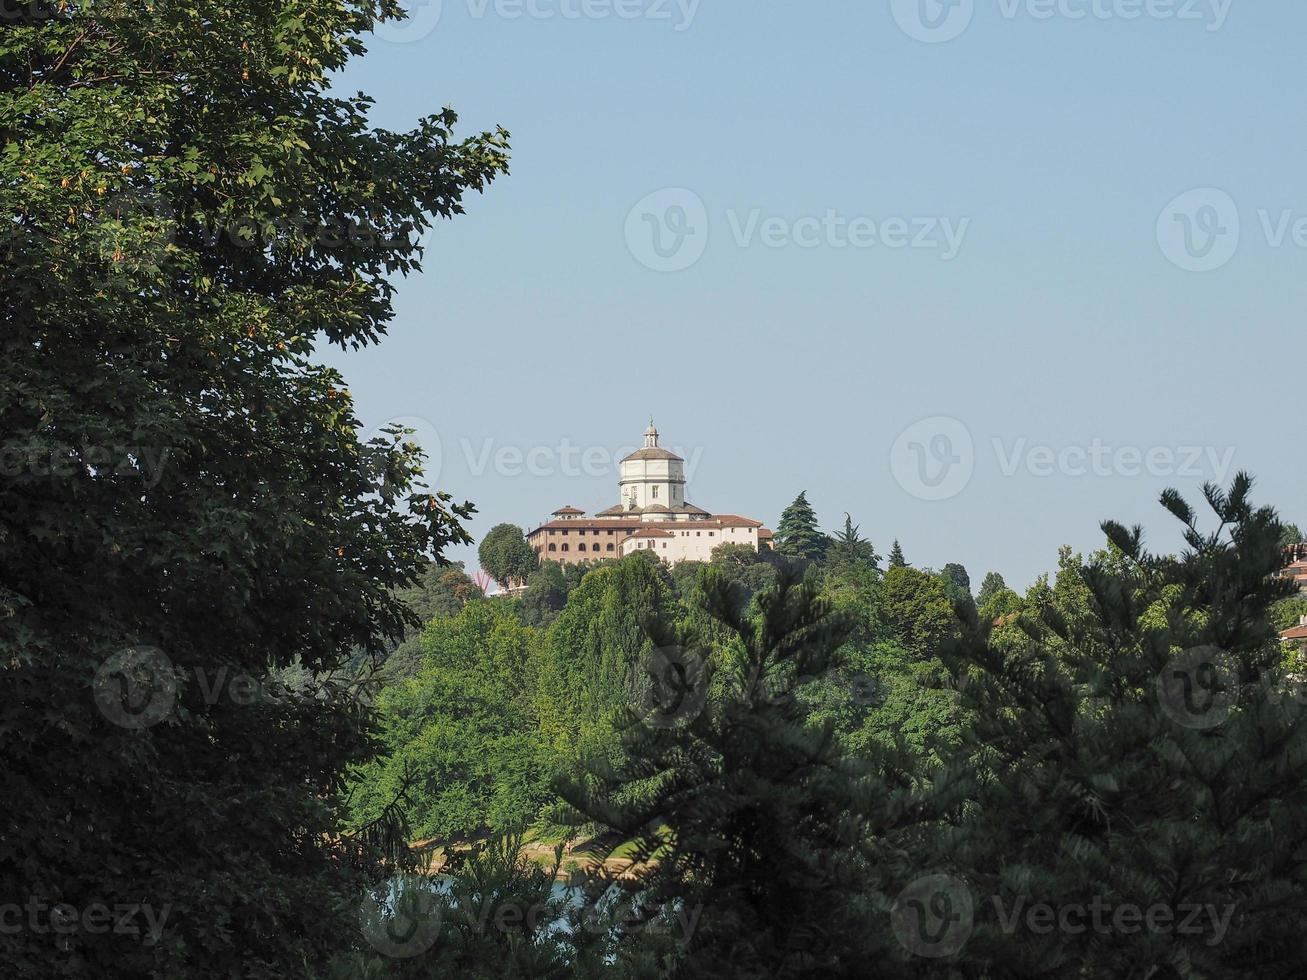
<point>990,586</point>
<point>1291,536</point>
<point>441,591</point>
<point>956,576</point>
<point>896,559</point>
<point>593,649</point>
<point>188,206</point>
<point>545,595</point>
<point>849,548</point>
<point>461,737</point>
<point>743,813</point>
<point>1133,757</point>
<point>918,609</point>
<point>505,554</point>
<point>797,535</point>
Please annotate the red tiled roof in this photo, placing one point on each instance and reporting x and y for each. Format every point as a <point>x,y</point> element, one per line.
<point>614,523</point>
<point>568,510</point>
<point>1295,633</point>
<point>650,532</point>
<point>618,523</point>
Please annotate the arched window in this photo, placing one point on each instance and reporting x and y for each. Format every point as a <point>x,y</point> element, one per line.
<point>580,547</point>
<point>553,547</point>
<point>564,546</point>
<point>610,546</point>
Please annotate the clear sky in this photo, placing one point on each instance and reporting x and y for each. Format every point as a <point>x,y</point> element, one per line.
<point>980,274</point>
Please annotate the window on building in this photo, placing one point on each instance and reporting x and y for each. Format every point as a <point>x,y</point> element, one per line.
<point>655,492</point>
<point>564,545</point>
<point>581,547</point>
<point>610,546</point>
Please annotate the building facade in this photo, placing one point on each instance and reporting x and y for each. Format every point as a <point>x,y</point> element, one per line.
<point>652,514</point>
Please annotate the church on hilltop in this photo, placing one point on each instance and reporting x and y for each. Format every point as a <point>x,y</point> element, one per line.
<point>652,514</point>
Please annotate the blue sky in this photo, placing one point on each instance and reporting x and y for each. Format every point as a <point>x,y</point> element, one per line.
<point>981,292</point>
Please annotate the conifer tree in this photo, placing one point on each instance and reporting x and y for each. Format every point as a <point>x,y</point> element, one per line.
<point>1138,769</point>
<point>798,535</point>
<point>742,814</point>
<point>896,559</point>
<point>849,547</point>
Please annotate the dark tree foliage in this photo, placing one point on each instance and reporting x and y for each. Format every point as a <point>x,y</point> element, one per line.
<point>186,506</point>
<point>1147,756</point>
<point>848,548</point>
<point>742,814</point>
<point>797,534</point>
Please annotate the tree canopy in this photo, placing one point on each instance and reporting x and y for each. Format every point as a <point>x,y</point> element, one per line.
<point>188,208</point>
